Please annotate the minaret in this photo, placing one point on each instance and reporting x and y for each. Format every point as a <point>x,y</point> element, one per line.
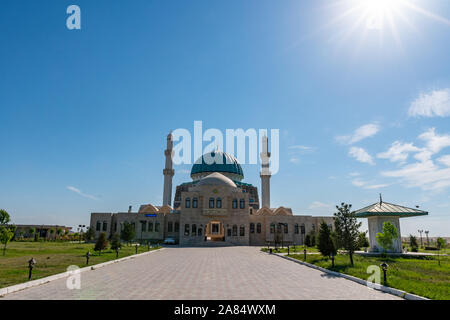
<point>265,173</point>
<point>168,172</point>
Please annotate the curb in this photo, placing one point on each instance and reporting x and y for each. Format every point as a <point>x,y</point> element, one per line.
<point>379,287</point>
<point>34,283</point>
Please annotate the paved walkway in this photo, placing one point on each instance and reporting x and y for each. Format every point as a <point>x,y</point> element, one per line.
<point>204,273</point>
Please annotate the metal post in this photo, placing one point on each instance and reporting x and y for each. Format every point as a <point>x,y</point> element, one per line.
<point>31,264</point>
<point>88,254</point>
<point>136,248</point>
<point>288,249</point>
<point>304,254</point>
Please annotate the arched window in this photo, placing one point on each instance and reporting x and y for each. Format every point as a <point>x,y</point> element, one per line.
<point>296,228</point>
<point>194,230</point>
<point>229,232</point>
<point>170,226</point>
<point>186,229</point>
<point>242,230</point>
<point>143,226</point>
<point>218,203</point>
<point>258,228</point>
<point>194,203</point>
<point>98,226</point>
<point>302,228</point>
<point>278,228</point>
<point>235,203</point>
<point>234,230</point>
<point>187,203</point>
<point>242,204</point>
<point>211,202</point>
<point>252,227</point>
<point>177,227</point>
<point>105,225</point>
<point>157,227</point>
<point>150,226</point>
<point>272,228</point>
<point>285,228</point>
<point>199,232</point>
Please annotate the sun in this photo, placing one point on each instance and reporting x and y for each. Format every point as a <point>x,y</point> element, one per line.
<point>377,11</point>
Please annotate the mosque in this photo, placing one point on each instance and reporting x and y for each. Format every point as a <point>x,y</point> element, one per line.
<point>215,207</point>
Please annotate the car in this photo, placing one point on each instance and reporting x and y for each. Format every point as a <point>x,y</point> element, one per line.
<point>169,241</point>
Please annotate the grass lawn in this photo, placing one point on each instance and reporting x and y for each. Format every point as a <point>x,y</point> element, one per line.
<point>51,258</point>
<point>419,275</point>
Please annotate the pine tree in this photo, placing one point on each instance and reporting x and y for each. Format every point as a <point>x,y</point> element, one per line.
<point>101,243</point>
<point>115,242</point>
<point>128,232</point>
<point>347,229</point>
<point>325,242</point>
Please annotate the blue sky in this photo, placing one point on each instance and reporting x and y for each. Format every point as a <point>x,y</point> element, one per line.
<point>361,108</point>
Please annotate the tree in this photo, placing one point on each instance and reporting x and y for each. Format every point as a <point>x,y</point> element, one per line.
<point>115,242</point>
<point>52,231</point>
<point>441,243</point>
<point>363,242</point>
<point>413,243</point>
<point>101,243</point>
<point>308,240</point>
<point>386,239</point>
<point>128,232</point>
<point>59,232</point>
<point>325,242</point>
<point>6,234</point>
<point>347,229</point>
<point>89,235</point>
<point>4,217</point>
<point>31,231</point>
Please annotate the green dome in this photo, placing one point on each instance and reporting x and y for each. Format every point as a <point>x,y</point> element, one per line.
<point>224,163</point>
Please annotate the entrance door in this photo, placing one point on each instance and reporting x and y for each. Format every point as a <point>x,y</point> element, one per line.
<point>215,231</point>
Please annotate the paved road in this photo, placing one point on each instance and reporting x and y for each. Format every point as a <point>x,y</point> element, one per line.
<point>204,273</point>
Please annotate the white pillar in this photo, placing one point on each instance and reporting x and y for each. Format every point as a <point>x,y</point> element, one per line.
<point>168,172</point>
<point>265,173</point>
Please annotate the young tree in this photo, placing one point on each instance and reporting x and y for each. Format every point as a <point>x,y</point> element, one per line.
<point>385,239</point>
<point>31,231</point>
<point>59,232</point>
<point>89,235</point>
<point>413,243</point>
<point>52,231</point>
<point>128,232</point>
<point>115,242</point>
<point>363,242</point>
<point>101,243</point>
<point>308,240</point>
<point>347,229</point>
<point>4,217</point>
<point>440,243</point>
<point>325,242</point>
<point>6,234</point>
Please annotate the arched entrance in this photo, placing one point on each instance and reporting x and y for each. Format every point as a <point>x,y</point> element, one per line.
<point>215,231</point>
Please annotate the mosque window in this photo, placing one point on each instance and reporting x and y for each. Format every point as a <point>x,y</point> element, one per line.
<point>285,228</point>
<point>242,230</point>
<point>278,228</point>
<point>252,228</point>
<point>187,203</point>
<point>186,229</point>
<point>115,226</point>
<point>194,230</point>
<point>251,200</point>
<point>258,228</point>
<point>272,228</point>
<point>302,228</point>
<point>133,225</point>
<point>194,202</point>
<point>296,228</point>
<point>219,203</point>
<point>150,226</point>
<point>105,225</point>
<point>177,227</point>
<point>199,232</point>
<point>242,203</point>
<point>211,202</point>
<point>313,227</point>
<point>169,226</point>
<point>229,232</point>
<point>157,227</point>
<point>144,226</point>
<point>99,225</point>
<point>235,202</point>
<point>234,230</point>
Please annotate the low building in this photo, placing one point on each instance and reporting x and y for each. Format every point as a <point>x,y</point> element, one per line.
<point>43,230</point>
<point>215,206</point>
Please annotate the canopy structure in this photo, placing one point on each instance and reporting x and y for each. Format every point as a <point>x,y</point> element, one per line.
<point>381,212</point>
<point>388,209</point>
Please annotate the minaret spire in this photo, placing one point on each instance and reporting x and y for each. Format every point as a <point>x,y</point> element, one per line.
<point>265,173</point>
<point>168,171</point>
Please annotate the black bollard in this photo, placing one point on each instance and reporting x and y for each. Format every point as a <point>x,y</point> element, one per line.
<point>270,250</point>
<point>88,254</point>
<point>288,249</point>
<point>384,266</point>
<point>332,260</point>
<point>31,264</point>
<point>304,254</point>
<point>136,248</point>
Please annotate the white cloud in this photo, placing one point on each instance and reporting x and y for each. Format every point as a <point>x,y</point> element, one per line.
<point>294,160</point>
<point>354,174</point>
<point>358,182</point>
<point>78,191</point>
<point>361,155</point>
<point>377,186</point>
<point>363,132</point>
<point>398,152</point>
<point>319,205</point>
<point>366,185</point>
<point>300,147</point>
<point>445,160</point>
<point>435,142</point>
<point>433,104</point>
